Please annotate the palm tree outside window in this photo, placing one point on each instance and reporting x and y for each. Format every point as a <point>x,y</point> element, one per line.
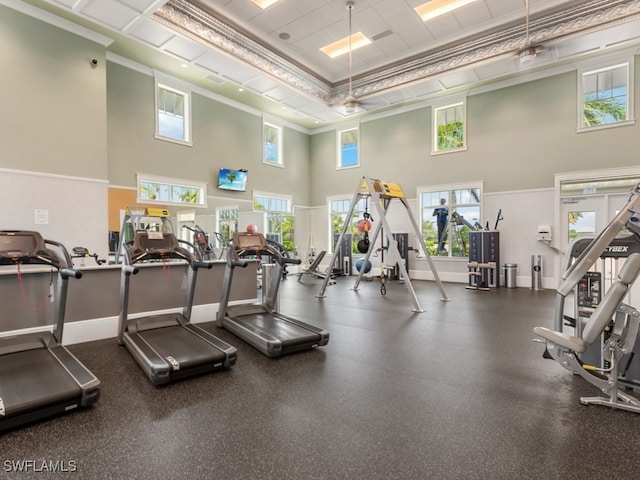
<point>605,96</point>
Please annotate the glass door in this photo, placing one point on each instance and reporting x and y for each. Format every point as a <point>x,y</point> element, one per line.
<point>582,216</point>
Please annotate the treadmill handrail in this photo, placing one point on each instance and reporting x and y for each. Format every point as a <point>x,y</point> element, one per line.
<point>65,253</point>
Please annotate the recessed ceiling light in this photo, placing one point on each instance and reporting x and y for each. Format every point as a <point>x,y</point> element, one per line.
<point>184,65</point>
<point>435,8</point>
<point>241,89</point>
<point>264,3</point>
<point>342,46</point>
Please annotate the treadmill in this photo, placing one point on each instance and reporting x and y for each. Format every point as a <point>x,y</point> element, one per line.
<point>167,346</point>
<point>260,324</point>
<point>39,377</point>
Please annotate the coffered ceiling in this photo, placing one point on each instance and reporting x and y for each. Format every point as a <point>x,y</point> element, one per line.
<point>274,56</point>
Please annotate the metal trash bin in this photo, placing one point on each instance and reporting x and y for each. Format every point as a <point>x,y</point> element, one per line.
<point>509,271</point>
<point>536,272</point>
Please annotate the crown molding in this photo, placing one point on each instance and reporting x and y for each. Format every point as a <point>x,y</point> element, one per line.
<point>203,26</point>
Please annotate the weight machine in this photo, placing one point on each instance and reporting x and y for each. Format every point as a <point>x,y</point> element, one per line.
<point>612,325</point>
<point>382,194</point>
<point>201,241</point>
<point>459,221</point>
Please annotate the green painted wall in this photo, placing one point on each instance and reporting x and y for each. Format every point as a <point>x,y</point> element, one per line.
<point>518,137</point>
<point>223,136</point>
<point>54,102</point>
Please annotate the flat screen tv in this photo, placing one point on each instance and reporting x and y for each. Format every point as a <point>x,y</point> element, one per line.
<point>235,180</point>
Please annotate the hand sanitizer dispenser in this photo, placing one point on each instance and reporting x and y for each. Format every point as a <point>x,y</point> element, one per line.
<point>544,233</point>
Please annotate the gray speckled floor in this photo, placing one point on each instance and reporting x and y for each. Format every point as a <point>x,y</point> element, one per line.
<point>456,392</point>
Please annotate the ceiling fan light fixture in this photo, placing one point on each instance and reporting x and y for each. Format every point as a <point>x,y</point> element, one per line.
<point>527,56</point>
<point>350,105</point>
<point>435,8</point>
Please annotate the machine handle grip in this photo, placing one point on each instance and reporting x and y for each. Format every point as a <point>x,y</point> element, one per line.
<point>206,265</point>
<point>294,261</point>
<point>70,273</point>
<point>130,269</point>
<point>239,263</point>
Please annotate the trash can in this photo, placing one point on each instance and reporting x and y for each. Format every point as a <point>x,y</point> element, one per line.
<point>509,274</point>
<point>536,272</point>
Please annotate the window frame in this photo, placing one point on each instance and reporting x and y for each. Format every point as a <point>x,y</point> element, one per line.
<point>179,89</point>
<point>230,219</point>
<point>601,67</point>
<point>142,178</point>
<point>358,211</point>
<point>271,213</point>
<point>339,149</point>
<point>450,104</point>
<point>279,155</point>
<point>449,188</point>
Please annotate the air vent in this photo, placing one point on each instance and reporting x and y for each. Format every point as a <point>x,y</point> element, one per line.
<point>382,35</point>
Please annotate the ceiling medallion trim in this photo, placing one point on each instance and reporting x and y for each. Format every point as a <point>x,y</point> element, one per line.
<point>201,26</point>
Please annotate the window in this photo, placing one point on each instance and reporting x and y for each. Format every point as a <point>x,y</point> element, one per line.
<point>599,185</point>
<point>581,223</point>
<point>605,96</point>
<point>348,148</point>
<point>227,220</point>
<point>173,114</point>
<point>449,128</point>
<point>338,210</point>
<point>272,136</point>
<point>448,214</point>
<point>280,220</point>
<point>153,189</point>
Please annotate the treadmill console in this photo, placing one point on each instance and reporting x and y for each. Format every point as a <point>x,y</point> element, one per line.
<point>249,241</point>
<point>156,246</point>
<point>25,246</point>
<point>154,241</point>
<point>20,244</point>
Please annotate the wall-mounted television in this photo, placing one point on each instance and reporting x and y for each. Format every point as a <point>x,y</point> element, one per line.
<point>235,180</point>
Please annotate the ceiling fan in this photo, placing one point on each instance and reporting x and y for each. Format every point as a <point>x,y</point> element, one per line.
<point>350,103</point>
<point>527,55</point>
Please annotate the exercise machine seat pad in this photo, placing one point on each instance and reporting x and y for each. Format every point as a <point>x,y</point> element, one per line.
<point>575,344</point>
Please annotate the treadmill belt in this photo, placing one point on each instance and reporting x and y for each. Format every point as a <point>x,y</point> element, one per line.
<point>187,349</point>
<point>272,327</point>
<point>33,379</point>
